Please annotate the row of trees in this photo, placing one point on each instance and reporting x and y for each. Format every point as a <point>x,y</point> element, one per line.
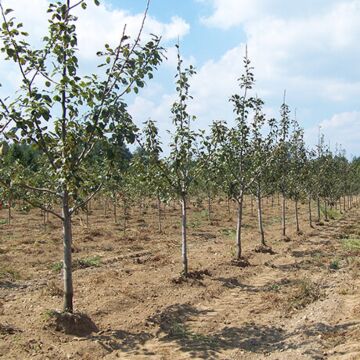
<point>73,130</point>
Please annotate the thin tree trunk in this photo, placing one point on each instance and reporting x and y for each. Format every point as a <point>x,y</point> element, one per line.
<point>159,214</point>
<point>9,207</point>
<point>326,211</point>
<point>183,236</point>
<point>297,216</point>
<point>87,214</point>
<point>67,232</point>
<point>283,215</point>
<point>310,214</point>
<point>115,207</point>
<point>238,227</point>
<point>252,205</point>
<point>125,215</point>
<point>318,209</point>
<point>209,208</point>
<point>260,219</point>
<point>340,206</point>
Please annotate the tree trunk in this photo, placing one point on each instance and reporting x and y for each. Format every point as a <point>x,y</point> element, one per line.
<point>260,219</point>
<point>310,214</point>
<point>9,207</point>
<point>252,205</point>
<point>115,207</point>
<point>125,215</point>
<point>318,209</point>
<point>238,227</point>
<point>183,236</point>
<point>209,208</point>
<point>297,216</point>
<point>283,215</point>
<point>67,232</point>
<point>159,214</point>
<point>325,211</point>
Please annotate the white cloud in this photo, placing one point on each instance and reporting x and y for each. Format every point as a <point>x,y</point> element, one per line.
<point>97,25</point>
<point>341,129</point>
<point>230,13</point>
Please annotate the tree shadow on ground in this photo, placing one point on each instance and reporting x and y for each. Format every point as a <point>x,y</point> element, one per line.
<point>233,283</point>
<point>254,338</point>
<point>172,328</point>
<point>124,341</point>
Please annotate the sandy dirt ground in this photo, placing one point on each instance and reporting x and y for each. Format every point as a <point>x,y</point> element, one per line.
<point>300,302</point>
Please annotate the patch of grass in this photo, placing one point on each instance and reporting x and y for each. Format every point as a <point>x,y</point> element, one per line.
<point>275,287</point>
<point>57,266</point>
<point>305,293</point>
<point>204,214</point>
<point>3,221</point>
<point>88,262</point>
<point>334,265</point>
<point>333,214</point>
<point>180,331</point>
<point>351,244</point>
<point>274,220</point>
<point>228,232</point>
<point>194,224</point>
<point>9,273</point>
<point>94,261</point>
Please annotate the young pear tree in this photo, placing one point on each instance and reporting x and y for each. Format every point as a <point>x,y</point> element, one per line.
<point>178,168</point>
<point>233,149</point>
<point>261,162</point>
<point>64,113</point>
<point>283,159</point>
<point>297,168</point>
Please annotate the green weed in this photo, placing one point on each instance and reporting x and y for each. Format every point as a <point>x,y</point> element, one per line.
<point>305,293</point>
<point>79,263</point>
<point>351,244</point>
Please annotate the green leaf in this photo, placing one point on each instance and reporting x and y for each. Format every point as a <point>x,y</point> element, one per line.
<point>47,84</point>
<point>8,11</point>
<point>97,2</point>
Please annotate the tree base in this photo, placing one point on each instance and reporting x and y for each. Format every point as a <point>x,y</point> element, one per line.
<point>192,275</point>
<point>264,249</point>
<point>70,323</point>
<point>286,238</point>
<point>242,262</point>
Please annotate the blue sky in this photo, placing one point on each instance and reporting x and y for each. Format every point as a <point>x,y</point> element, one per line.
<point>310,48</point>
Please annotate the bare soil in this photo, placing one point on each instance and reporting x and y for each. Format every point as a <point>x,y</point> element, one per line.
<point>297,299</point>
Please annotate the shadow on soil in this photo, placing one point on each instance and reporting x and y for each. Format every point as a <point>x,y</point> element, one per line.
<point>171,327</point>
<point>233,282</point>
